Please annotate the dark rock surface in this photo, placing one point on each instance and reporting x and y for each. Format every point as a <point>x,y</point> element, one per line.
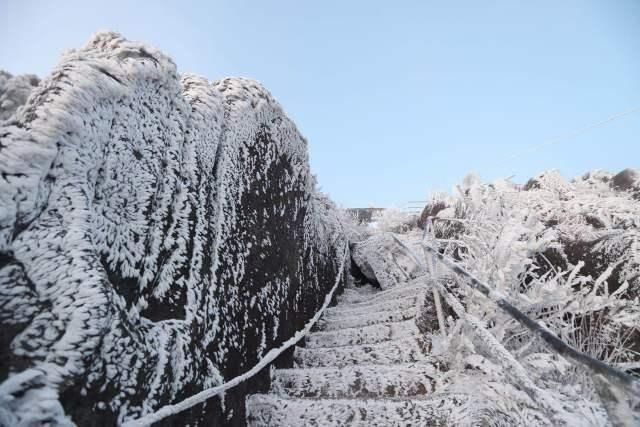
<point>158,235</point>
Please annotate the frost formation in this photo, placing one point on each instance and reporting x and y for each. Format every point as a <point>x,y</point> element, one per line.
<point>14,91</point>
<point>158,234</point>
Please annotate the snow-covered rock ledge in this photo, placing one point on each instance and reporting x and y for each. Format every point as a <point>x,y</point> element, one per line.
<point>158,235</point>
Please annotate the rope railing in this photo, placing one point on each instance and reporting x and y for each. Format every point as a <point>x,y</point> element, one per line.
<point>206,394</point>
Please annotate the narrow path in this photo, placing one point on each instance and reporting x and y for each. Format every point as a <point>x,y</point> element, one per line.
<point>366,364</point>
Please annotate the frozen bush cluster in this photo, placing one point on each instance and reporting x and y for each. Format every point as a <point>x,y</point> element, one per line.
<point>14,91</point>
<point>566,254</point>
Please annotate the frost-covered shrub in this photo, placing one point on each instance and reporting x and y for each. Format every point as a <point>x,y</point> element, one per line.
<point>433,207</point>
<point>14,91</point>
<point>566,254</point>
<point>394,220</point>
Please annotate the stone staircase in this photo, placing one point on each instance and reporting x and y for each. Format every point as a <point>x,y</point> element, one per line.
<point>367,364</point>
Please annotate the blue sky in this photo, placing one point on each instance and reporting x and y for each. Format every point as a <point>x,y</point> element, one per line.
<point>395,98</point>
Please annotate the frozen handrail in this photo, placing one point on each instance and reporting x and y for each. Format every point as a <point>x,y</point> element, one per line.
<point>206,394</point>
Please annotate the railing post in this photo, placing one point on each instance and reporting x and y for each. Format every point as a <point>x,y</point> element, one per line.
<point>436,298</point>
<point>430,261</point>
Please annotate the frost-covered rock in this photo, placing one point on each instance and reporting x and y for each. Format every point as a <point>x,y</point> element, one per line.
<point>627,180</point>
<point>383,261</point>
<point>14,91</point>
<point>158,235</point>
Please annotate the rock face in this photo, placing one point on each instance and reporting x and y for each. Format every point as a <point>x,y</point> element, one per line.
<point>14,91</point>
<point>158,235</point>
<point>383,261</point>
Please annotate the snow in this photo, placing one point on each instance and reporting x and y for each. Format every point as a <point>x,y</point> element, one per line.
<point>373,374</point>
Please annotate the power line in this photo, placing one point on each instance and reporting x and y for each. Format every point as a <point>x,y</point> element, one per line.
<point>570,135</point>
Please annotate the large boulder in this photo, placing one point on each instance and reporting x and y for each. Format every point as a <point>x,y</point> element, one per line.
<point>158,235</point>
<point>384,261</point>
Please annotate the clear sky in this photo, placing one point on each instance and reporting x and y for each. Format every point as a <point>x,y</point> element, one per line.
<point>396,98</point>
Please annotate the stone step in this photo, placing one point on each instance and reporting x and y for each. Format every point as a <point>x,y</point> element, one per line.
<point>361,381</point>
<point>403,290</point>
<point>370,334</point>
<point>405,350</point>
<point>358,292</point>
<point>343,310</point>
<point>359,320</point>
<point>269,410</point>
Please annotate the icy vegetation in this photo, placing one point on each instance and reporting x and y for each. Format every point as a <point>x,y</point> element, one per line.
<point>567,255</point>
<point>14,91</point>
<point>159,234</point>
